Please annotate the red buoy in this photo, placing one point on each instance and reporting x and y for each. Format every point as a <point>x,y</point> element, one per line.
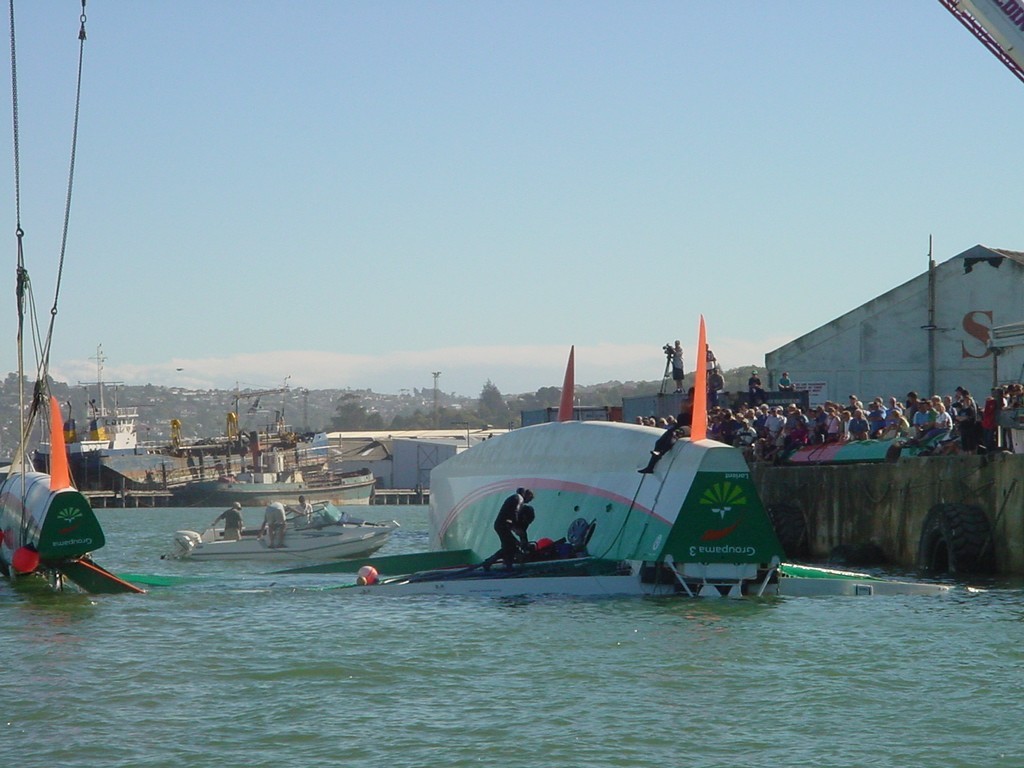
<point>544,543</point>
<point>25,560</point>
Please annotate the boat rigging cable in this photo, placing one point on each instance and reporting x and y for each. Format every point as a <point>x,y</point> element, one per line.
<point>625,519</point>
<point>24,286</point>
<point>629,511</point>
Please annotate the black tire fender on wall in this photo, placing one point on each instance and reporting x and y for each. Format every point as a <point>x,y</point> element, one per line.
<point>791,527</point>
<point>956,538</point>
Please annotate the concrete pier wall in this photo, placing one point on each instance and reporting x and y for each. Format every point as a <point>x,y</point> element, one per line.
<point>886,504</point>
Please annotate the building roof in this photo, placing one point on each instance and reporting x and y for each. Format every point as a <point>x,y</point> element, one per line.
<point>980,253</point>
<point>429,434</point>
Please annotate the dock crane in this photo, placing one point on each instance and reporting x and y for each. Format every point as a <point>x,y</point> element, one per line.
<point>255,395</point>
<point>998,24</point>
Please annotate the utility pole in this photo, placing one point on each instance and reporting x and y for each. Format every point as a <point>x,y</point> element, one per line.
<point>305,409</point>
<point>437,374</point>
<point>931,327</point>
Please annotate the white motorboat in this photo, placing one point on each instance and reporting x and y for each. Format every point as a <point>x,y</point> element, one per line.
<point>328,533</point>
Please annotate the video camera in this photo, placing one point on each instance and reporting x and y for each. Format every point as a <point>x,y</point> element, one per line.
<point>669,350</point>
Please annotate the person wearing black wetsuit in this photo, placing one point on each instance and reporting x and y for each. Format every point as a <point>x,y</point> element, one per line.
<point>665,442</point>
<point>507,525</point>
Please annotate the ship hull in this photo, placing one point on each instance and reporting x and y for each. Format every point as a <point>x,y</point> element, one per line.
<point>357,489</point>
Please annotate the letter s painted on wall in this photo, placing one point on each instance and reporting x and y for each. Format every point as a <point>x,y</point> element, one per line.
<point>978,331</point>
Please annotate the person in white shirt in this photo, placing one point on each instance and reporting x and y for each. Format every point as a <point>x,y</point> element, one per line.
<point>274,525</point>
<point>773,425</point>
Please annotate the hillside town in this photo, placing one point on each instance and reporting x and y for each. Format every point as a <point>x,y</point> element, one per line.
<point>202,414</point>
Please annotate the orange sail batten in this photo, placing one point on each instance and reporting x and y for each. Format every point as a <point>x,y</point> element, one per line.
<point>699,423</point>
<point>60,475</point>
<point>565,405</point>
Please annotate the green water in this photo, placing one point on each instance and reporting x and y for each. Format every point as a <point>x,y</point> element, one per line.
<point>240,668</point>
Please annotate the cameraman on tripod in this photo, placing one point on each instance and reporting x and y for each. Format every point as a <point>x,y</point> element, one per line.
<point>675,354</point>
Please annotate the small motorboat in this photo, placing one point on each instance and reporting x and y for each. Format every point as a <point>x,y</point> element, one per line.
<point>328,533</point>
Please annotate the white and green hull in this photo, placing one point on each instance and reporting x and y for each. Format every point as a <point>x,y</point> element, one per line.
<point>698,506</point>
<point>694,526</point>
<point>59,527</point>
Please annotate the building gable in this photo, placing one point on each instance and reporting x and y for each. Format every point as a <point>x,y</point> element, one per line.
<point>904,339</point>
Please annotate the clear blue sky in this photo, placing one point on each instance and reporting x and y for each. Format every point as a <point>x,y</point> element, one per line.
<point>356,194</point>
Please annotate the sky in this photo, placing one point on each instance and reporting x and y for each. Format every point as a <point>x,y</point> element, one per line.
<point>337,194</point>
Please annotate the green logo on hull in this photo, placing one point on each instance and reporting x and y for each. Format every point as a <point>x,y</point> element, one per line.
<point>722,520</point>
<point>70,528</point>
<point>69,515</point>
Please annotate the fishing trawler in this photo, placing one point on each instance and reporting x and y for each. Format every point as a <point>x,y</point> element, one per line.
<point>258,489</point>
<point>110,430</point>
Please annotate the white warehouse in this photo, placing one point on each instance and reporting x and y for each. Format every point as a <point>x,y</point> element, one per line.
<point>931,334</point>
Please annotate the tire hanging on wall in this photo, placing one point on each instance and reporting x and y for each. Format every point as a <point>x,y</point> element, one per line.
<point>956,538</point>
<point>791,528</point>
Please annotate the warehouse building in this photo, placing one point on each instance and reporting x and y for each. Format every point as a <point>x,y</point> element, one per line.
<point>932,334</point>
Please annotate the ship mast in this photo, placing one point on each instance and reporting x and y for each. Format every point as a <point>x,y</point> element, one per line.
<point>99,376</point>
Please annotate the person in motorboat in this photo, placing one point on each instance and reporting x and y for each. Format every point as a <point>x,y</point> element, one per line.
<point>232,522</point>
<point>274,525</point>
<point>305,511</point>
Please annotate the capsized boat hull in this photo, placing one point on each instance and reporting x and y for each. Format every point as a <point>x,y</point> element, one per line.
<point>698,505</point>
<point>57,524</point>
<point>586,578</point>
<point>611,586</point>
<point>693,526</point>
<point>796,580</point>
<point>59,527</point>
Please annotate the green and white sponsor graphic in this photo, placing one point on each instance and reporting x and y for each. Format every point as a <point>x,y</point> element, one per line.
<point>70,528</point>
<point>722,520</point>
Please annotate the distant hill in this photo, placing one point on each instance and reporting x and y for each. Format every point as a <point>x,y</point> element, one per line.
<point>203,413</point>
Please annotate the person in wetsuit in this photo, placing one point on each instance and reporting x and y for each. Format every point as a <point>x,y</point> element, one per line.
<point>508,526</point>
<point>667,439</point>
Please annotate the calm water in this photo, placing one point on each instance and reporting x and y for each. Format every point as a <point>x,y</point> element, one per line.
<point>242,668</point>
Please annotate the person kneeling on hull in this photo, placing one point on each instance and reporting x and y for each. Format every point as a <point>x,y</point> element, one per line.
<point>509,525</point>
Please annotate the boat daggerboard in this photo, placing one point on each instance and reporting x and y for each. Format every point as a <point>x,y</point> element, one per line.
<point>722,520</point>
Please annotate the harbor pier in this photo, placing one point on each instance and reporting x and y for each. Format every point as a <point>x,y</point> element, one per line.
<point>912,510</point>
<point>106,499</point>
<point>400,497</point>
<point>163,498</point>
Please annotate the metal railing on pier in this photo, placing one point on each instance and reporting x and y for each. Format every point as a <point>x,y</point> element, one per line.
<point>105,499</point>
<point>164,498</point>
<point>400,497</point>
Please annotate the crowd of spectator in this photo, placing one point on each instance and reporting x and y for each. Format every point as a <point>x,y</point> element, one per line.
<point>932,425</point>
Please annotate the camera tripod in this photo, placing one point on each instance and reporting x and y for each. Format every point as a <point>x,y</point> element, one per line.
<point>667,376</point>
